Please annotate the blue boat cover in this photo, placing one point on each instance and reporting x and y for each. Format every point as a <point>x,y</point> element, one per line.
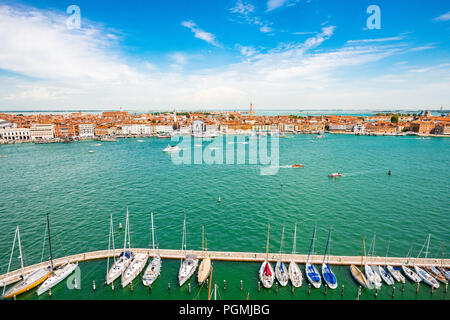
<point>313,275</point>
<point>126,254</point>
<point>328,275</point>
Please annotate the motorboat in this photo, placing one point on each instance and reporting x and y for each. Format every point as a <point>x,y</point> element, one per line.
<point>297,166</point>
<point>335,175</point>
<point>170,148</point>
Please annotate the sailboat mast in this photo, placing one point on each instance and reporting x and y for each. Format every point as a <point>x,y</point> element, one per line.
<point>311,246</point>
<point>203,239</point>
<point>362,253</point>
<point>49,241</point>
<point>267,248</point>
<point>182,239</point>
<point>126,228</point>
<point>295,239</point>
<point>442,263</point>
<point>428,245</point>
<point>282,239</point>
<point>153,235</point>
<point>326,247</point>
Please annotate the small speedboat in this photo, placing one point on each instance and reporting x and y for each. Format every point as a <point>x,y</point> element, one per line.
<point>335,175</point>
<point>91,151</point>
<point>297,166</point>
<point>164,136</point>
<point>171,148</point>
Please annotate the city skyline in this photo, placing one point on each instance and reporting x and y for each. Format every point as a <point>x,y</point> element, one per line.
<point>222,55</point>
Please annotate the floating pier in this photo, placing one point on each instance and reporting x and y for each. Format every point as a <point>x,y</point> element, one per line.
<point>16,275</point>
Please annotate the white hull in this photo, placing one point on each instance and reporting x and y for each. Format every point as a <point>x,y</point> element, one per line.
<point>134,268</point>
<point>385,276</point>
<point>152,272</point>
<point>30,282</point>
<point>396,274</point>
<point>282,275</point>
<point>117,269</point>
<point>295,275</point>
<point>411,274</point>
<point>187,269</point>
<point>56,277</point>
<point>372,277</point>
<point>426,277</point>
<point>266,280</point>
<point>315,282</point>
<point>326,270</point>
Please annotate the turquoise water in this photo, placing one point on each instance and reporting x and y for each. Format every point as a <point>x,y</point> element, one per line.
<point>81,190</point>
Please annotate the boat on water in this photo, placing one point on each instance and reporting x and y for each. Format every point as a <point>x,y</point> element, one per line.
<point>445,272</point>
<point>266,274</point>
<point>136,266</point>
<point>170,148</point>
<point>408,272</point>
<point>357,273</point>
<point>164,136</point>
<point>426,277</point>
<point>108,139</point>
<point>281,272</point>
<point>295,274</point>
<point>154,268</point>
<point>189,263</point>
<point>327,273</point>
<point>439,273</point>
<point>384,273</point>
<point>29,281</point>
<point>311,272</point>
<point>91,151</point>
<point>3,157</point>
<point>124,259</point>
<point>396,274</point>
<point>335,175</point>
<point>58,274</point>
<point>205,266</point>
<point>373,279</point>
<point>297,166</point>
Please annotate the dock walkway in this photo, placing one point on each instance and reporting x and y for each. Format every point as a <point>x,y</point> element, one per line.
<point>15,275</point>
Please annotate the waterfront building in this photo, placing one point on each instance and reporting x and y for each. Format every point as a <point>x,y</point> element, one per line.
<point>136,129</point>
<point>42,131</point>
<point>62,131</point>
<point>359,129</point>
<point>86,130</point>
<point>6,124</point>
<point>185,130</point>
<point>15,135</point>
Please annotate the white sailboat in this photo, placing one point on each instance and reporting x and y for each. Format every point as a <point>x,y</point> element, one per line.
<point>384,273</point>
<point>327,273</point>
<point>190,262</point>
<point>266,275</point>
<point>123,261</point>
<point>311,272</point>
<point>205,266</point>
<point>28,282</point>
<point>372,277</point>
<point>295,274</point>
<point>154,268</point>
<point>426,277</point>
<point>281,271</point>
<point>60,273</point>
<point>408,272</point>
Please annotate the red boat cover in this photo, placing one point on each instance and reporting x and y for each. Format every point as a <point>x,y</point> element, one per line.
<point>267,270</point>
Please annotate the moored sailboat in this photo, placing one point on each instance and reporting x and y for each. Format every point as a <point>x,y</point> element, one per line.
<point>266,275</point>
<point>60,273</point>
<point>124,259</point>
<point>154,268</point>
<point>426,277</point>
<point>28,282</point>
<point>327,273</point>
<point>311,272</point>
<point>435,272</point>
<point>205,266</point>
<point>373,279</point>
<point>295,274</point>
<point>189,263</point>
<point>281,272</point>
<point>384,273</point>
<point>408,272</point>
<point>357,273</point>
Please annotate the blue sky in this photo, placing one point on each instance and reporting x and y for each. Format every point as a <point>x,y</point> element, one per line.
<point>199,54</point>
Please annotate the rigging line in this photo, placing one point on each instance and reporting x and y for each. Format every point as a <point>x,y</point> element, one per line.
<point>43,245</point>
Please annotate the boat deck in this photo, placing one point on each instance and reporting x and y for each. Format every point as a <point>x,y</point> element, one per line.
<point>15,275</point>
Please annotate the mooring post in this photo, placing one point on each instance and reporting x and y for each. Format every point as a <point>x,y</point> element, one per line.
<point>342,291</point>
<point>403,287</point>
<point>112,286</point>
<point>309,288</point>
<point>189,288</point>
<point>293,289</point>
<point>417,290</point>
<point>326,288</point>
<point>276,287</point>
<point>376,292</point>
<point>150,289</point>
<point>241,285</point>
<point>131,286</point>
<point>432,289</point>
<point>14,297</point>
<point>93,285</point>
<point>168,287</point>
<point>446,286</point>
<point>359,292</point>
<point>207,281</point>
<point>75,284</point>
<point>393,291</point>
<point>224,284</point>
<point>259,286</point>
<point>49,292</point>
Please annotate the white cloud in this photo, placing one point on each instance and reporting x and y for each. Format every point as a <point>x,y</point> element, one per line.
<point>274,4</point>
<point>242,7</point>
<point>201,34</point>
<point>443,17</point>
<point>82,69</point>
<point>376,40</point>
<point>245,11</point>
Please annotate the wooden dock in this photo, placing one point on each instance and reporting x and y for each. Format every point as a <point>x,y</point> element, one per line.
<point>15,275</point>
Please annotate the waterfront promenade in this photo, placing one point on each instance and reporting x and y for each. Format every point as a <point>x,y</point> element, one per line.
<point>15,275</point>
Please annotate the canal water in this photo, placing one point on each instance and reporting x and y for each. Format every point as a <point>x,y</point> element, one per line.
<point>80,190</point>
